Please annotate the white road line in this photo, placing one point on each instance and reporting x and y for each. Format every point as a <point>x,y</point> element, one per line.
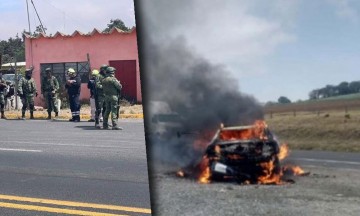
<point>20,150</point>
<point>69,144</point>
<point>327,161</point>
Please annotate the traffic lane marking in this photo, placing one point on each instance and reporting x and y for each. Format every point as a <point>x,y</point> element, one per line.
<point>74,144</point>
<point>20,150</point>
<point>326,161</point>
<point>75,204</point>
<point>53,210</point>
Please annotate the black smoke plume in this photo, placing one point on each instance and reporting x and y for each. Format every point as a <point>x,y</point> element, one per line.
<point>203,94</point>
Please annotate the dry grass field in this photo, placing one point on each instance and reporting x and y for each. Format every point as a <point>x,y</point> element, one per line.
<point>334,130</point>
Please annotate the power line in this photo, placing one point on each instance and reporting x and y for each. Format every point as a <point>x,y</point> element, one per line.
<point>38,17</point>
<point>31,52</point>
<point>66,16</point>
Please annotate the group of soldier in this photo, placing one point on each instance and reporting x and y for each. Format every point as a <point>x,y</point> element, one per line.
<point>105,90</point>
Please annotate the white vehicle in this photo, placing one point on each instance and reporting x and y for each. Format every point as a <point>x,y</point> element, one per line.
<point>163,122</point>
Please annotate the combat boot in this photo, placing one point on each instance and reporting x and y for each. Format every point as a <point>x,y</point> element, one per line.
<point>105,126</point>
<point>97,125</point>
<point>49,115</point>
<point>115,126</point>
<point>56,114</point>
<point>3,115</point>
<point>23,115</point>
<point>31,115</point>
<point>77,119</point>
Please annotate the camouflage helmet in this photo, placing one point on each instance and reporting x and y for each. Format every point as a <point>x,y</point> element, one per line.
<point>103,67</point>
<point>110,70</point>
<point>48,70</point>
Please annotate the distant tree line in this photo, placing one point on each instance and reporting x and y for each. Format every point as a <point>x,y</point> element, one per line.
<point>343,88</point>
<point>13,47</point>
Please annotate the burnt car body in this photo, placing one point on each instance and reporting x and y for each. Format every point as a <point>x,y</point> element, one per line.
<point>241,153</point>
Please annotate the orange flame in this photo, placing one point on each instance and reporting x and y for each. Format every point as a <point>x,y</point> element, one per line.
<point>270,174</point>
<point>284,152</point>
<point>256,132</point>
<point>295,170</point>
<point>269,177</point>
<point>204,176</point>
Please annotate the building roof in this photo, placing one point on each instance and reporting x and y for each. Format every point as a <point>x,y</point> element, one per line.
<point>77,32</point>
<point>18,64</point>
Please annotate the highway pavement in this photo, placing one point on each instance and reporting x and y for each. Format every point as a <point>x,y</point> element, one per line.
<point>59,168</point>
<point>344,160</point>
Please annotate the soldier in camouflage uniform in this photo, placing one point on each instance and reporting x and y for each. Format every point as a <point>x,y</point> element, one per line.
<point>27,91</point>
<point>49,88</point>
<point>3,87</point>
<point>100,96</point>
<point>111,87</point>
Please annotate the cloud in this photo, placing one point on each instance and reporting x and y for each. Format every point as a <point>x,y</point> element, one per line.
<point>235,33</point>
<point>66,15</point>
<point>345,10</point>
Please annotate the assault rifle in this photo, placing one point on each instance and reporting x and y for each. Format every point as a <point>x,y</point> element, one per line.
<point>118,105</point>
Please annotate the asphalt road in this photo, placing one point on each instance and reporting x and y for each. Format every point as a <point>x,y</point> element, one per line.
<point>332,188</point>
<point>339,160</point>
<point>59,161</point>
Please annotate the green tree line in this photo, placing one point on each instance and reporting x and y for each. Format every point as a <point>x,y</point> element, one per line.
<point>13,47</point>
<point>342,88</point>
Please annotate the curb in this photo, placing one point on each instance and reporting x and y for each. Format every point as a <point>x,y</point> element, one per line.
<point>86,117</point>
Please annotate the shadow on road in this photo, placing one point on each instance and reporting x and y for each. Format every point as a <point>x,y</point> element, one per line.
<point>87,127</point>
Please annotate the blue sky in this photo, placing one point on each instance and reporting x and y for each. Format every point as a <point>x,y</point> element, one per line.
<point>326,51</point>
<point>273,47</point>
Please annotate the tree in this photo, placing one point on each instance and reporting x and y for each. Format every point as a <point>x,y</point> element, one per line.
<point>284,100</point>
<point>354,87</point>
<point>13,47</point>
<point>329,91</point>
<point>314,94</point>
<point>343,88</point>
<point>39,30</point>
<point>118,23</point>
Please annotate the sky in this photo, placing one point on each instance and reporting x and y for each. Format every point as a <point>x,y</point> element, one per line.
<point>63,15</point>
<point>273,48</point>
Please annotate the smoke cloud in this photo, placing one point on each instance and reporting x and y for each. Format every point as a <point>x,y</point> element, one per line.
<point>204,94</point>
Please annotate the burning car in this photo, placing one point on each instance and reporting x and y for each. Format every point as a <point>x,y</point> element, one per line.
<point>246,154</point>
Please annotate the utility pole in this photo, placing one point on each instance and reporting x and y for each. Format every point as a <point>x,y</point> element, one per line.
<point>27,8</point>
<point>16,85</point>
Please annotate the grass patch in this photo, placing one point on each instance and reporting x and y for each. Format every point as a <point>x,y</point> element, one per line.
<point>333,130</point>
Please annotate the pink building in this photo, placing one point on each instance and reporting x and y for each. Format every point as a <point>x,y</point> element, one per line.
<point>60,52</point>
